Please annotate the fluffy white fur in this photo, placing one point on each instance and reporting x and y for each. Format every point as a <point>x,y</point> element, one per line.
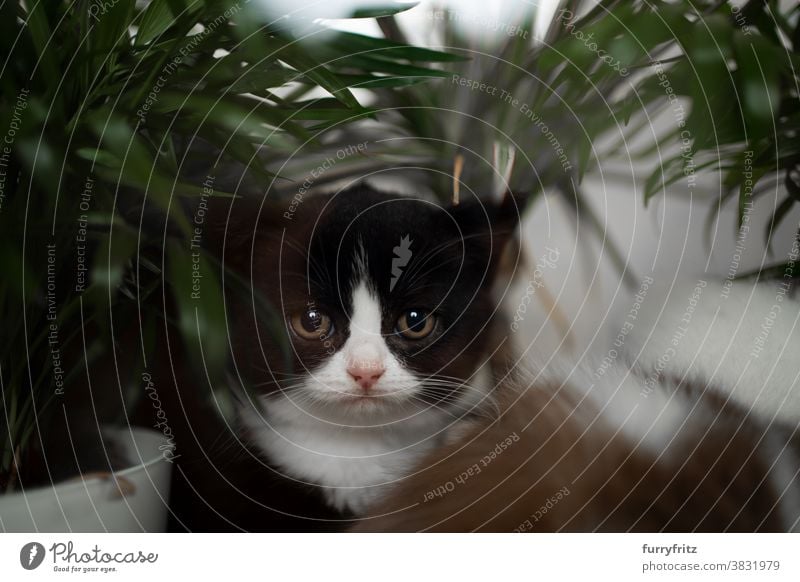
<point>648,418</point>
<point>352,463</point>
<point>720,346</point>
<point>652,420</point>
<point>330,434</point>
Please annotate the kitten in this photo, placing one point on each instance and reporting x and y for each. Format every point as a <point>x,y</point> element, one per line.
<point>386,309</point>
<point>570,452</point>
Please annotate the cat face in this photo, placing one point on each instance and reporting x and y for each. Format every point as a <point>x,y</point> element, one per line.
<point>383,300</point>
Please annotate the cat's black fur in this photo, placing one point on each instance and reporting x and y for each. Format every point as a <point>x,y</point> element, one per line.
<point>455,250</point>
<point>293,259</point>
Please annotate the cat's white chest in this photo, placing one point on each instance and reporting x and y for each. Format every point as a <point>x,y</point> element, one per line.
<point>354,466</point>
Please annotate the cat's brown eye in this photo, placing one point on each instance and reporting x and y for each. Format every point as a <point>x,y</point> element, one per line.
<point>311,324</point>
<point>415,324</point>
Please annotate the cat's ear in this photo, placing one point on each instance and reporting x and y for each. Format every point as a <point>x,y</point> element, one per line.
<point>489,227</point>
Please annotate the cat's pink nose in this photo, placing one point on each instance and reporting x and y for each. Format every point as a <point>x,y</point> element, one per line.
<point>366,372</point>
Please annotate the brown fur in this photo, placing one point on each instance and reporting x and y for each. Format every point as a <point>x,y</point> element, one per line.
<point>714,476</point>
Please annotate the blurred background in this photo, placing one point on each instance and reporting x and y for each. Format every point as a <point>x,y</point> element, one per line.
<point>675,231</point>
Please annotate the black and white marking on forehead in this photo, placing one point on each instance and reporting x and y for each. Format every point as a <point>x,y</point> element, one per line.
<point>365,308</point>
<point>359,274</point>
<point>359,239</point>
<point>407,251</point>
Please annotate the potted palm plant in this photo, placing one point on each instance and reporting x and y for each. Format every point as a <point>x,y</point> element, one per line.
<point>671,91</point>
<point>727,71</point>
<point>117,117</point>
<point>121,119</point>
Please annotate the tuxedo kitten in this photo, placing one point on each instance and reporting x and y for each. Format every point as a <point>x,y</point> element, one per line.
<point>573,452</point>
<point>388,326</point>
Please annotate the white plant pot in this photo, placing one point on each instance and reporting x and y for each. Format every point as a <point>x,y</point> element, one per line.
<point>95,504</point>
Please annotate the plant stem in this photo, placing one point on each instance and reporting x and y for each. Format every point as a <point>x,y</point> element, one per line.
<point>582,208</point>
<point>391,30</point>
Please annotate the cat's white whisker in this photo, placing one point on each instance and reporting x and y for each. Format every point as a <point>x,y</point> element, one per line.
<point>382,292</point>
